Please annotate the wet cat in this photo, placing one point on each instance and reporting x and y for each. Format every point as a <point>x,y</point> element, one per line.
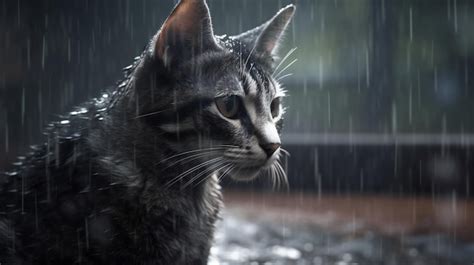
<point>132,176</point>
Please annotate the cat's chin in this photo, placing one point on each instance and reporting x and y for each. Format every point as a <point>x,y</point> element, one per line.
<point>245,173</point>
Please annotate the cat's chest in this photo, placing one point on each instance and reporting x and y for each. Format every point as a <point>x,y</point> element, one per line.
<point>177,224</point>
<point>156,204</point>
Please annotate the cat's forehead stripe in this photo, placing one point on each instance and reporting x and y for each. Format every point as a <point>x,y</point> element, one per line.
<point>250,85</point>
<point>245,84</point>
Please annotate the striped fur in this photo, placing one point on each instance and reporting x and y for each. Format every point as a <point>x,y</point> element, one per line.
<point>132,176</point>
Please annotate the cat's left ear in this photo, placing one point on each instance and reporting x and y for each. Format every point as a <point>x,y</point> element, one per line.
<point>187,32</point>
<point>265,39</point>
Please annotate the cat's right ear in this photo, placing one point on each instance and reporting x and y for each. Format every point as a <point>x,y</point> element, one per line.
<point>187,32</point>
<point>265,39</point>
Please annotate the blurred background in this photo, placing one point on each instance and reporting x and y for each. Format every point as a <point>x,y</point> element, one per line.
<point>379,122</point>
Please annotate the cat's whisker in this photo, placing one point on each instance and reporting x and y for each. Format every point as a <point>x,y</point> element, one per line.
<point>272,176</point>
<point>284,59</point>
<point>206,164</point>
<point>231,167</point>
<point>236,156</point>
<point>228,145</point>
<point>228,167</point>
<point>190,158</point>
<point>284,151</point>
<point>250,54</point>
<point>225,165</point>
<point>150,114</point>
<point>268,172</point>
<point>279,179</point>
<point>191,151</point>
<point>230,153</point>
<point>286,67</point>
<point>211,168</point>
<point>276,185</point>
<point>283,77</point>
<point>191,170</point>
<point>282,174</point>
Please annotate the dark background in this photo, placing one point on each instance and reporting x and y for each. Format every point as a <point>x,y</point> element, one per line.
<point>380,97</point>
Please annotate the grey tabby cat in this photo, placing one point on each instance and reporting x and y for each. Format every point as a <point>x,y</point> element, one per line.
<point>132,177</point>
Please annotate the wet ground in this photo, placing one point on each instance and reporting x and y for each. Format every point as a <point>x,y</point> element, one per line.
<point>256,233</point>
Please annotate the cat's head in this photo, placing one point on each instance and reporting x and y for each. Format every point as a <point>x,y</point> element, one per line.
<point>214,99</point>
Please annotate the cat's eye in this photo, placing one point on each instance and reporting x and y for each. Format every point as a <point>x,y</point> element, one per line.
<point>229,106</point>
<point>275,107</point>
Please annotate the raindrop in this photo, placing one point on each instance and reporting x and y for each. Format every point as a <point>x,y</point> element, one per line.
<point>22,106</point>
<point>22,193</point>
<point>7,141</point>
<point>408,69</point>
<point>468,185</point>
<point>68,50</point>
<point>329,109</point>
<point>394,118</point>
<point>455,7</point>
<point>358,74</point>
<point>43,55</point>
<point>86,228</point>
<point>367,66</point>
<point>40,107</point>
<point>411,24</point>
<point>321,72</point>
<point>410,104</point>
<point>28,52</point>
<point>316,173</point>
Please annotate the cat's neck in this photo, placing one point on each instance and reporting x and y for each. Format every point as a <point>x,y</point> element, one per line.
<point>137,160</point>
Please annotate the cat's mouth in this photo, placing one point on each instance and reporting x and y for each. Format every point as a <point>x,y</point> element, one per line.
<point>248,166</point>
<point>251,170</point>
<point>245,164</point>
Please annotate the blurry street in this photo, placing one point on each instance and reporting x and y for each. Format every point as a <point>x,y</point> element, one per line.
<point>292,229</point>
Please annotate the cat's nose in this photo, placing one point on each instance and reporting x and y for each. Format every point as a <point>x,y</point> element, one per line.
<point>270,148</point>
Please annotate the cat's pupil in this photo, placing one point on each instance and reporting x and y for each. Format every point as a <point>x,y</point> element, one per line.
<point>275,107</point>
<point>228,106</point>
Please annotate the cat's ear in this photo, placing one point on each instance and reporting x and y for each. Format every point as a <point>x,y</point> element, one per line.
<point>266,38</point>
<point>187,32</point>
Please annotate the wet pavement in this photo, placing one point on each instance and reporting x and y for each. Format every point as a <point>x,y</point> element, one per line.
<point>246,236</point>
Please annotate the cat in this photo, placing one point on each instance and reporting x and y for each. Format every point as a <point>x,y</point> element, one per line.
<point>132,177</point>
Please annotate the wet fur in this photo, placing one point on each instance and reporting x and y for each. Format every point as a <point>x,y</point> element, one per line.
<point>101,208</point>
<point>93,193</point>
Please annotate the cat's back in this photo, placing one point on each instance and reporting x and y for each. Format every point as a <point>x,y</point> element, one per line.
<point>47,194</point>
